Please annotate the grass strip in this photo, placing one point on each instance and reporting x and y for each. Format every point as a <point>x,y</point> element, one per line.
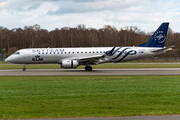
<point>84,96</point>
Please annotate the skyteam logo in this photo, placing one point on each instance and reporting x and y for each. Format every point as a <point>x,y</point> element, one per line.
<point>37,58</point>
<point>160,37</point>
<point>121,53</point>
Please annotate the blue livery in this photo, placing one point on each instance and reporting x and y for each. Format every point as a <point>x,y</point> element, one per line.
<point>158,38</point>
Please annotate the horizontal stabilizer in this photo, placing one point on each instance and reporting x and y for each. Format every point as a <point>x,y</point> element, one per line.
<point>166,48</point>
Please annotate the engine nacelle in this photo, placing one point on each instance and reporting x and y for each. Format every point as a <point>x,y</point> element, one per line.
<point>69,64</point>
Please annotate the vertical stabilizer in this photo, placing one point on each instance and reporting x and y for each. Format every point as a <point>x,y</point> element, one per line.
<point>158,39</point>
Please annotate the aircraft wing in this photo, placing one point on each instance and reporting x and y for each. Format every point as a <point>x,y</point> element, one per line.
<point>166,48</point>
<point>95,59</point>
<point>91,59</point>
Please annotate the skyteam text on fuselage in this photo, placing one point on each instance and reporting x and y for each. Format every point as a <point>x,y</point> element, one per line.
<point>74,57</point>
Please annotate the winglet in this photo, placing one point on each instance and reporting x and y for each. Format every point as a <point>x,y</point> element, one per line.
<point>111,51</point>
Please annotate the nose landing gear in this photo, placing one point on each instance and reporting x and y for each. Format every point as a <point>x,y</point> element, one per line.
<point>24,67</point>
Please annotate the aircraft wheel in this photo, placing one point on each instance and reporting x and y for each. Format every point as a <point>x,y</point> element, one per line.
<point>24,69</point>
<point>88,68</point>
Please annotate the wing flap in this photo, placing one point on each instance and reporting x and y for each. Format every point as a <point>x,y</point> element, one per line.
<point>93,58</point>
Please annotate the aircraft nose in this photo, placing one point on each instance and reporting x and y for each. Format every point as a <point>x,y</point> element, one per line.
<point>7,60</point>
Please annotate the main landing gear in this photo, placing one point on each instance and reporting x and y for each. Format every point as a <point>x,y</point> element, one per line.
<point>24,67</point>
<point>88,68</point>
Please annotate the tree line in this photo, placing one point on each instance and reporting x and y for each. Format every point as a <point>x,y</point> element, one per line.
<point>80,36</point>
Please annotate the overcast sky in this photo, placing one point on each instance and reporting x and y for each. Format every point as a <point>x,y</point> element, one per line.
<point>147,15</point>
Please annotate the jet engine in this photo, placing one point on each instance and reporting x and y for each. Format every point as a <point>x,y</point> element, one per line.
<point>69,64</point>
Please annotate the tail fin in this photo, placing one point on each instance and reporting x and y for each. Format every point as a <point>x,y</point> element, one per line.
<point>158,38</point>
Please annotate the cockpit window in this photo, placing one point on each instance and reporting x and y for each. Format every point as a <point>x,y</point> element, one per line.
<point>17,53</point>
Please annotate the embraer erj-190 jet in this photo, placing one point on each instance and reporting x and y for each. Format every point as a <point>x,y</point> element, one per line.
<point>74,57</point>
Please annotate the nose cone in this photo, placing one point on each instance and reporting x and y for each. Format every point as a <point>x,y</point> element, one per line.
<point>8,60</point>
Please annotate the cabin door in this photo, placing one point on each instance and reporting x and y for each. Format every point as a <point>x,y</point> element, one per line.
<point>28,55</point>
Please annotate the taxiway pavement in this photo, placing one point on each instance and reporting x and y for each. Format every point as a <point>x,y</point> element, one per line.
<point>177,117</point>
<point>55,72</point>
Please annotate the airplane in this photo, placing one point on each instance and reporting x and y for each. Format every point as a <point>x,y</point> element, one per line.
<point>74,57</point>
